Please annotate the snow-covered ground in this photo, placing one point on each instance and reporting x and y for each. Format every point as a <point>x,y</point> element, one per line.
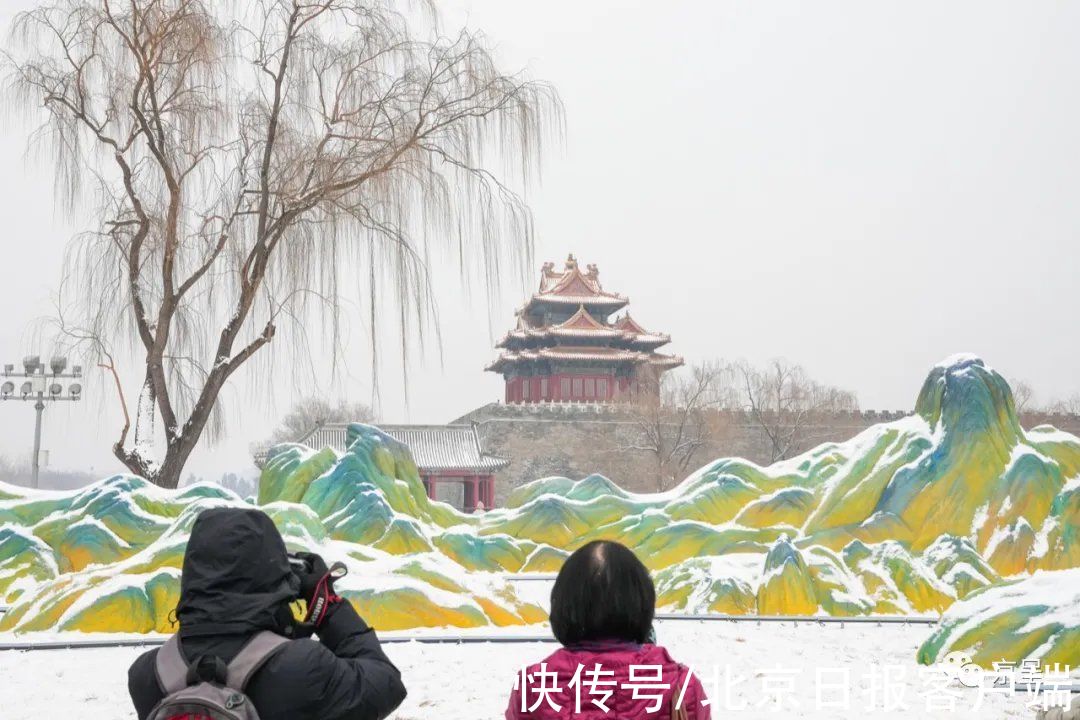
<point>803,667</point>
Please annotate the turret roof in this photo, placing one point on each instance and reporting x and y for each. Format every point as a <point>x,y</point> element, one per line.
<point>586,354</point>
<point>631,326</point>
<point>550,328</point>
<point>582,324</point>
<point>572,286</point>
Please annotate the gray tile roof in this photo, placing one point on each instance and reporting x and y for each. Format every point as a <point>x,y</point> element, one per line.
<point>433,447</point>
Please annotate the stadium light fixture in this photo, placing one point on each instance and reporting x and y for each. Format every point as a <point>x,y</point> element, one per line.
<point>40,386</point>
<point>31,363</point>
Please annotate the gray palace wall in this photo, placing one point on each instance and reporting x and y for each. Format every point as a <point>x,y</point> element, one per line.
<point>574,440</point>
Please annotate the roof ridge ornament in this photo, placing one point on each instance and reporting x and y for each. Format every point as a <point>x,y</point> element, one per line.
<point>626,322</point>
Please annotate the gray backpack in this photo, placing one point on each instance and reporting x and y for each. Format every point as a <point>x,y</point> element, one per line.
<point>188,697</point>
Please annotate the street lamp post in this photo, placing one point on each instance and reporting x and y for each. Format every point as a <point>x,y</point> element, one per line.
<point>41,384</point>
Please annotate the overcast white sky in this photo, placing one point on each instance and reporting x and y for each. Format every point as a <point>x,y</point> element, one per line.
<point>862,187</point>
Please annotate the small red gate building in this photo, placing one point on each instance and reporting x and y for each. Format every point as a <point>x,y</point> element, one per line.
<point>452,464</point>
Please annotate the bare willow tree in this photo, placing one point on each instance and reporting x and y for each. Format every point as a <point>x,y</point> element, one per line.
<point>783,401</point>
<point>677,425</point>
<point>243,163</point>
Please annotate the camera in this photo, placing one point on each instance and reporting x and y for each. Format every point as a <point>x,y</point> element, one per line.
<point>299,565</point>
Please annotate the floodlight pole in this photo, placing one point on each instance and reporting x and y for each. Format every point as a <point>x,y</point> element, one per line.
<point>40,385</point>
<point>39,406</point>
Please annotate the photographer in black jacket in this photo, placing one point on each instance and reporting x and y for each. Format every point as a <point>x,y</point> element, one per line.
<point>237,581</point>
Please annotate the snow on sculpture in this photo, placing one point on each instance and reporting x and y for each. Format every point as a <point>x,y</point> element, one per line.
<point>1036,616</point>
<point>907,517</point>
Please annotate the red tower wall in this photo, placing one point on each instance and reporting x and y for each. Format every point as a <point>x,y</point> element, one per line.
<point>567,387</point>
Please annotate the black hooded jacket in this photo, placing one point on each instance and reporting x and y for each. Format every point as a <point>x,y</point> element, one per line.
<point>236,581</point>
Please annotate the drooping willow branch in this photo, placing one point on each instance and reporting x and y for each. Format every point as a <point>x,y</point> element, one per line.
<point>239,165</point>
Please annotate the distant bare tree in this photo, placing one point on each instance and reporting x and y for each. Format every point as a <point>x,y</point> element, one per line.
<point>311,412</point>
<point>243,160</point>
<point>1069,405</point>
<point>782,400</point>
<point>244,486</point>
<point>1024,400</point>
<point>10,473</point>
<point>1023,396</point>
<point>49,478</point>
<point>241,485</point>
<point>677,424</point>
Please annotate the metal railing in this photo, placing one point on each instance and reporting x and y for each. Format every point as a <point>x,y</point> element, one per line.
<point>815,619</point>
<point>26,646</point>
<point>83,644</point>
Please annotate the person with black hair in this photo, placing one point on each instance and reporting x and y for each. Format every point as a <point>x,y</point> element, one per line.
<point>602,608</point>
<point>236,584</point>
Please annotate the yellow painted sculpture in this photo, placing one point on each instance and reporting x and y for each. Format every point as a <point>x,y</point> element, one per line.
<point>907,517</point>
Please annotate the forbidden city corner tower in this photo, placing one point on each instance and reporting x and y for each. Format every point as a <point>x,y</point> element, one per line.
<point>572,344</point>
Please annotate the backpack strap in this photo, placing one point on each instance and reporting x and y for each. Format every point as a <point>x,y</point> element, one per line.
<point>170,667</point>
<point>252,657</point>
